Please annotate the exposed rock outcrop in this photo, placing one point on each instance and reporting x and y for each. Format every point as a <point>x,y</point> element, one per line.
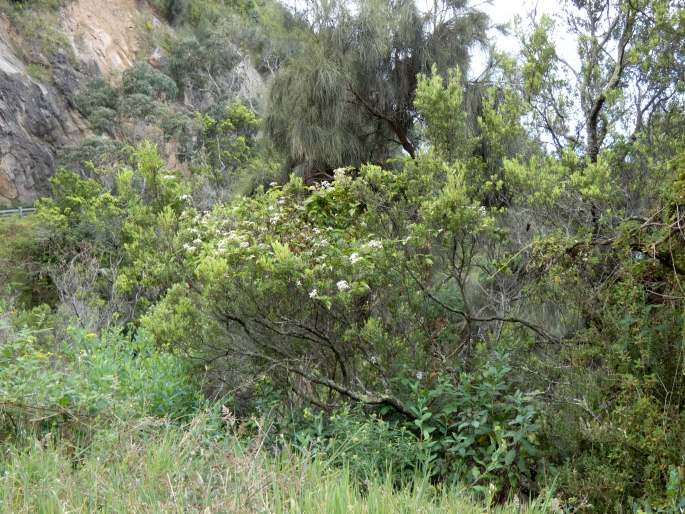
<point>35,120</point>
<point>103,33</point>
<point>99,38</point>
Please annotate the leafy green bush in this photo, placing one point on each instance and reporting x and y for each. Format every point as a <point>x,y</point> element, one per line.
<point>143,79</point>
<point>308,284</point>
<point>98,102</point>
<point>367,445</point>
<point>96,93</point>
<point>200,61</point>
<point>127,218</point>
<point>22,275</point>
<point>93,153</point>
<point>86,375</point>
<point>227,144</point>
<point>480,431</point>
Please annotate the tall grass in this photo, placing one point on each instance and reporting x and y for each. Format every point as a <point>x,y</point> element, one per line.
<point>157,467</point>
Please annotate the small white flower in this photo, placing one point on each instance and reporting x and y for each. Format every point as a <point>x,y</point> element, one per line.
<point>343,285</point>
<point>188,248</point>
<point>272,184</point>
<point>419,375</point>
<point>280,201</point>
<point>482,211</point>
<point>298,283</point>
<point>313,293</point>
<point>355,258</point>
<point>374,245</point>
<point>186,198</point>
<point>244,244</point>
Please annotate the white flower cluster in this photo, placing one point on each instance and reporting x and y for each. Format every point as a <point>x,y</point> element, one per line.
<point>374,245</point>
<point>355,258</point>
<point>342,285</point>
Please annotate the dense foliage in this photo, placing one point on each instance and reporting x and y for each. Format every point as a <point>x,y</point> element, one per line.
<point>498,305</point>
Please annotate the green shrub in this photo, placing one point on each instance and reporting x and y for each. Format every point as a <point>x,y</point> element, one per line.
<point>139,107</point>
<point>96,93</point>
<point>131,216</point>
<point>196,61</point>
<point>143,79</point>
<point>22,276</point>
<point>479,431</point>
<point>367,445</point>
<point>93,153</point>
<point>86,375</point>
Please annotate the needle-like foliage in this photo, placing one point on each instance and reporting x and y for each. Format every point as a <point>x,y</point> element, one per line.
<point>348,97</point>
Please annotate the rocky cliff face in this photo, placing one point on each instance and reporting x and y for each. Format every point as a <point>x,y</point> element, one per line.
<point>35,120</point>
<point>38,115</point>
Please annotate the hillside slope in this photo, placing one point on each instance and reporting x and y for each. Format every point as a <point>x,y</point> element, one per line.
<point>49,51</point>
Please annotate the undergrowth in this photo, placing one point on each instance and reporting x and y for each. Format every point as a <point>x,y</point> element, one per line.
<point>153,465</point>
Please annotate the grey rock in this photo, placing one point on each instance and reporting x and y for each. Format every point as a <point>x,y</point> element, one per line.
<point>158,59</point>
<point>35,120</point>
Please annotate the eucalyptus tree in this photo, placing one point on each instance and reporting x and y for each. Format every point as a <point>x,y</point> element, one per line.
<point>348,98</point>
<point>628,65</point>
<point>596,106</point>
